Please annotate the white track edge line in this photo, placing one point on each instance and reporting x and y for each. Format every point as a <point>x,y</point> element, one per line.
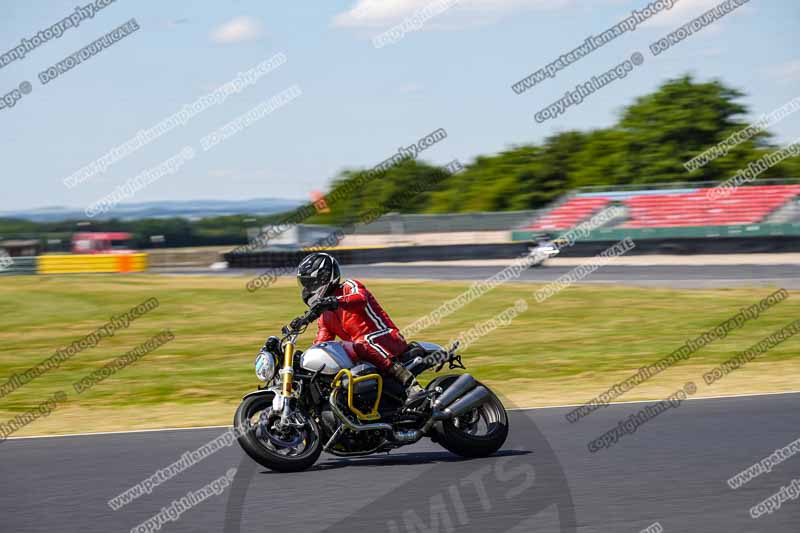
<point>510,409</point>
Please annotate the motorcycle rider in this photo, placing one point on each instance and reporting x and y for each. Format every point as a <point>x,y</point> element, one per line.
<point>353,314</point>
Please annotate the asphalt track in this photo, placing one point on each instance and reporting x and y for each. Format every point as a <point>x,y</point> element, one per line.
<point>673,471</point>
<point>674,276</point>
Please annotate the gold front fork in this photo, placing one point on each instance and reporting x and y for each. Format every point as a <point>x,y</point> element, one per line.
<point>288,371</point>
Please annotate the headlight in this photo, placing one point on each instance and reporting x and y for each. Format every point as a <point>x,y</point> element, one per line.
<point>265,366</point>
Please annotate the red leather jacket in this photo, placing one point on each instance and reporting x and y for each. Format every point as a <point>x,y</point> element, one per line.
<point>360,319</point>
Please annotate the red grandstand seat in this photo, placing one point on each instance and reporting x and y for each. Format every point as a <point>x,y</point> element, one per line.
<point>570,213</point>
<point>745,205</point>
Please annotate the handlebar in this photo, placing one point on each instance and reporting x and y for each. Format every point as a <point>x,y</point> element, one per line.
<point>299,324</point>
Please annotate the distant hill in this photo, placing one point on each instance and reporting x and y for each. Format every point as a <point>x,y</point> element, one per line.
<point>191,209</point>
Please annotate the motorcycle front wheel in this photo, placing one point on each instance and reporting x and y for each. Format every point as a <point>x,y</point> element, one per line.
<point>292,450</point>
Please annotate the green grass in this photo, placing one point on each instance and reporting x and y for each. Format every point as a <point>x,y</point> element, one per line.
<point>568,346</point>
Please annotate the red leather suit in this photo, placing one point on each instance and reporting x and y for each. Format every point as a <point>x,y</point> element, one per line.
<point>361,320</point>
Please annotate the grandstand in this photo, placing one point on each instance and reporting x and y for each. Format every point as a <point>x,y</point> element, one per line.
<point>683,207</point>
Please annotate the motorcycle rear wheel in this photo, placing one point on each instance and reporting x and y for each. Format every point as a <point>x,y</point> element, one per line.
<point>461,435</point>
<point>273,451</point>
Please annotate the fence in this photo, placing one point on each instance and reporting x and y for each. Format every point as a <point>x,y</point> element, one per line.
<point>395,223</point>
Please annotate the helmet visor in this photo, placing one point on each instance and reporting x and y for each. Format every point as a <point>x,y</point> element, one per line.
<point>310,283</point>
<point>312,296</point>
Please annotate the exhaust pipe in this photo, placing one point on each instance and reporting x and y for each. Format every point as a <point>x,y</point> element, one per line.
<point>404,437</point>
<point>474,398</point>
<point>468,402</point>
<point>462,385</point>
<point>408,437</point>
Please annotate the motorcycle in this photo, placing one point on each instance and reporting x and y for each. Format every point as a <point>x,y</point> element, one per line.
<point>544,249</point>
<point>322,399</point>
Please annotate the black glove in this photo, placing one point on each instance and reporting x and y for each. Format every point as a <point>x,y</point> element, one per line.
<point>328,303</point>
<point>297,323</point>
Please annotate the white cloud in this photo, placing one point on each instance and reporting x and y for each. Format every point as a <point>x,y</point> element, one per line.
<point>385,13</point>
<point>237,30</point>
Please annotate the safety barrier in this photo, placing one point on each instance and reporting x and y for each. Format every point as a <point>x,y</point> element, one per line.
<point>95,263</point>
<point>394,254</point>
<point>19,266</point>
<point>583,248</point>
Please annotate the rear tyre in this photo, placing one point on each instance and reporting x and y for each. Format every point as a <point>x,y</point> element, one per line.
<point>291,452</point>
<point>479,433</point>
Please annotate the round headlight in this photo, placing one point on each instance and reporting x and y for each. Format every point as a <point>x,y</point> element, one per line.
<point>265,366</point>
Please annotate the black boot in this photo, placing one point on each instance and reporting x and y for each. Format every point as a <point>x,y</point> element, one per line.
<point>414,391</point>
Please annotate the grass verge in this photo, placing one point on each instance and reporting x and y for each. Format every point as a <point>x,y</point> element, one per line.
<point>567,349</point>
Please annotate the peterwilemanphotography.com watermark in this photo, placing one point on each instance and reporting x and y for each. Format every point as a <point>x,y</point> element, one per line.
<point>592,43</point>
<point>90,340</point>
<point>54,31</point>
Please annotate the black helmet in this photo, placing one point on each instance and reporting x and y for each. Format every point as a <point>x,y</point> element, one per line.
<point>318,274</point>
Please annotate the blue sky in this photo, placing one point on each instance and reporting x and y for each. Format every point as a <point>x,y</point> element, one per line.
<point>359,103</point>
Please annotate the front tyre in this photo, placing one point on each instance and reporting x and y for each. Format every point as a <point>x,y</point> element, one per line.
<point>293,450</point>
<point>478,433</point>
